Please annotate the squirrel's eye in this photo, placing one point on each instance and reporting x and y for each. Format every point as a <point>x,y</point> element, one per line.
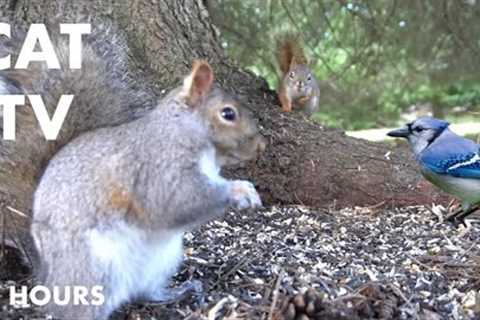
<point>309,78</point>
<point>292,74</point>
<point>229,114</point>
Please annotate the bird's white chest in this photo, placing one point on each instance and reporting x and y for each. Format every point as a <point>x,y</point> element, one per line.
<point>135,266</point>
<point>467,190</point>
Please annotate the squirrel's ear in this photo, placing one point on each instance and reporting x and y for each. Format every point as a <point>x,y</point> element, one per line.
<point>198,84</point>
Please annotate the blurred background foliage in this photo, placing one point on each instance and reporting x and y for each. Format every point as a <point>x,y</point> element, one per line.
<point>376,60</point>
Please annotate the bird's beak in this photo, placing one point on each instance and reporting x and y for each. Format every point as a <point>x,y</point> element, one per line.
<point>399,133</point>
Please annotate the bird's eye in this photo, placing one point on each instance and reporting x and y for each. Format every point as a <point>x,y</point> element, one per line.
<point>229,114</point>
<point>292,74</point>
<point>418,129</point>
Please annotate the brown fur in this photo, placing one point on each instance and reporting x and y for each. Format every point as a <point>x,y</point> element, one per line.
<point>298,87</point>
<point>285,100</point>
<point>290,51</point>
<point>202,81</point>
<point>303,100</point>
<point>123,200</point>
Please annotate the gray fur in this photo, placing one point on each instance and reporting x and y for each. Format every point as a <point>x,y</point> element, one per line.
<point>155,159</point>
<point>105,92</point>
<point>121,174</point>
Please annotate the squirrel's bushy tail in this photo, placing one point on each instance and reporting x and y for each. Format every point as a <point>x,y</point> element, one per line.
<point>105,94</point>
<point>289,48</point>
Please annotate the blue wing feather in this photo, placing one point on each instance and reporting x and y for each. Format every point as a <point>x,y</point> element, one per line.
<point>453,155</point>
<point>470,170</point>
<point>463,166</point>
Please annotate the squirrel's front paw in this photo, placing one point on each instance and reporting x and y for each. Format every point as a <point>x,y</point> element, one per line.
<point>243,195</point>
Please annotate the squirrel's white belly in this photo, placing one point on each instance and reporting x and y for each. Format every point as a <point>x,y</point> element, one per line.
<point>134,266</point>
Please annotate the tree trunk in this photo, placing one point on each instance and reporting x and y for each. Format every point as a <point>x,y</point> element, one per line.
<point>305,163</point>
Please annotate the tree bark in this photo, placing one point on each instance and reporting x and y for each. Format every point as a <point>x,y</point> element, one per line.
<point>304,163</point>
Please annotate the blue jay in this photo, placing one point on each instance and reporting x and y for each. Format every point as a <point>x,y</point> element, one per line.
<point>447,160</point>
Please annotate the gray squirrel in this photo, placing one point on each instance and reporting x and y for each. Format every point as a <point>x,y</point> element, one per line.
<point>106,94</point>
<point>113,204</point>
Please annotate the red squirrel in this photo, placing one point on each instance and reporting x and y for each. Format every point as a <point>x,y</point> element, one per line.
<point>298,87</point>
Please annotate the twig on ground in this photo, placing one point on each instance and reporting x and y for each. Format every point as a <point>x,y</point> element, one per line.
<point>275,294</point>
